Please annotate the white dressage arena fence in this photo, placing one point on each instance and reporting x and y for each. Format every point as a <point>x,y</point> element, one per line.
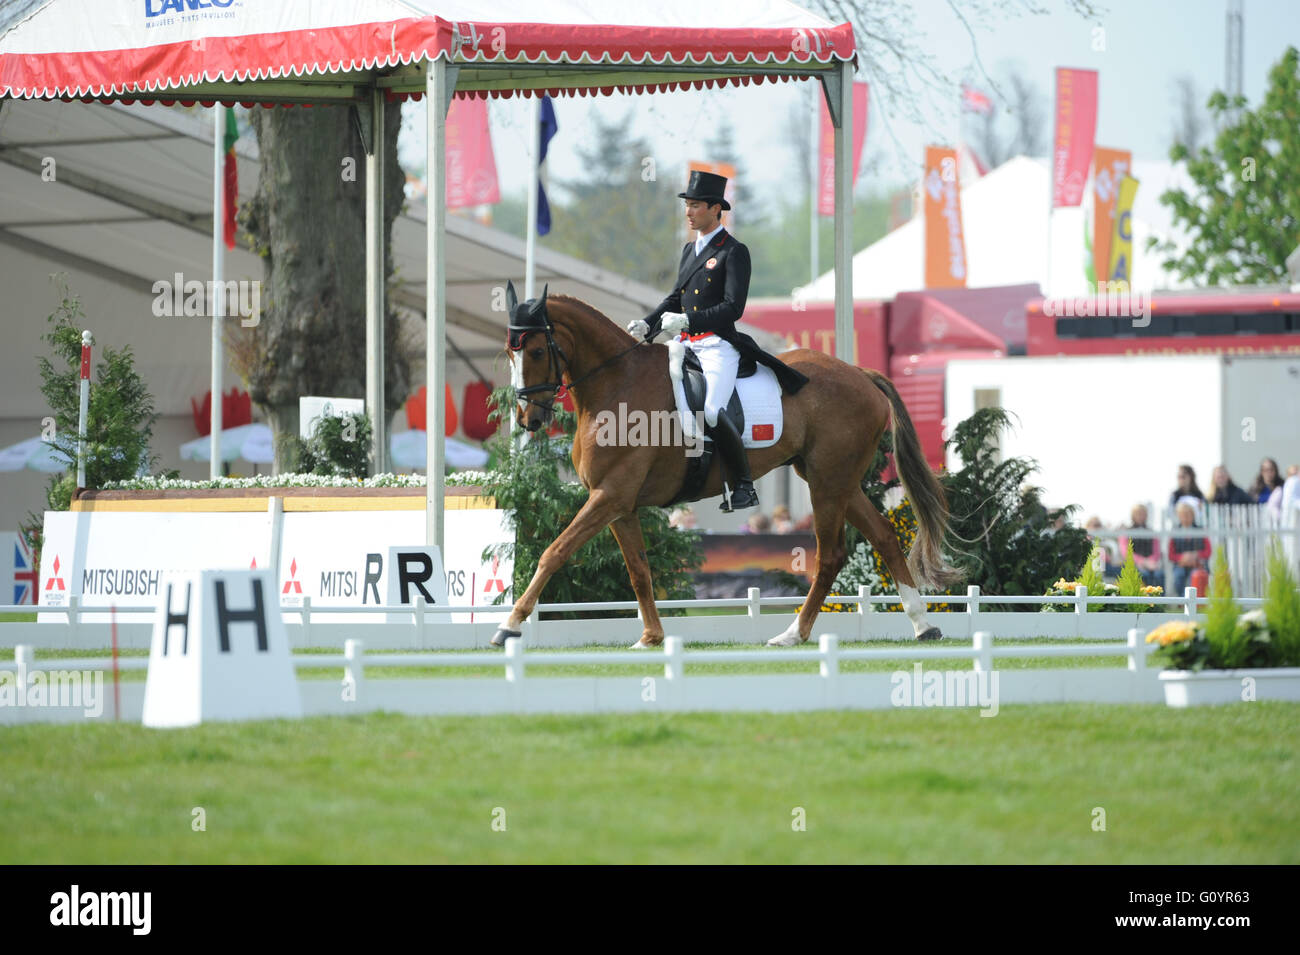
<point>425,628</point>
<point>920,680</point>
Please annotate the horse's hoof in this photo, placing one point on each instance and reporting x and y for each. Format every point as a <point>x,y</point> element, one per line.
<point>790,638</point>
<point>639,645</point>
<point>502,635</point>
<point>930,633</point>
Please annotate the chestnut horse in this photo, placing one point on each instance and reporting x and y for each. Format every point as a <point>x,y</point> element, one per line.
<point>832,426</point>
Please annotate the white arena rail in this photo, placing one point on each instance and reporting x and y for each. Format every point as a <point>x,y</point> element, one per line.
<point>671,688</point>
<point>420,629</point>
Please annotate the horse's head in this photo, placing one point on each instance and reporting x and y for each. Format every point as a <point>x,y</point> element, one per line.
<point>536,360</point>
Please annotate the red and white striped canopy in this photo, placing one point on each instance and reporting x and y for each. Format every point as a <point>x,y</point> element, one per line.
<point>317,51</point>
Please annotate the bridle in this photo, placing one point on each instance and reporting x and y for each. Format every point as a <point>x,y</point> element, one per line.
<point>530,317</point>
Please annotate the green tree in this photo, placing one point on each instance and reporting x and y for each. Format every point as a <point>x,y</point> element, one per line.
<point>1001,536</point>
<point>120,417</point>
<point>528,480</point>
<point>1243,215</point>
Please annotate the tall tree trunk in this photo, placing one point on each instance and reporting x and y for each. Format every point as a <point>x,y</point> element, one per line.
<point>308,221</point>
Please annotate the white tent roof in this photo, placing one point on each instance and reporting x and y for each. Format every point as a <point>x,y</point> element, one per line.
<point>1004,221</point>
<point>92,48</point>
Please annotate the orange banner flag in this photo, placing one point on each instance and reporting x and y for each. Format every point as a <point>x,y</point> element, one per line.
<point>1110,166</point>
<point>945,247</point>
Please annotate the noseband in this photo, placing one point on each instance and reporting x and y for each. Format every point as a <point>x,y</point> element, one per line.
<point>529,317</point>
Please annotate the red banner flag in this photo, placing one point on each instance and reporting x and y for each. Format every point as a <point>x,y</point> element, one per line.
<point>230,181</point>
<point>826,152</point>
<point>945,246</point>
<point>1076,131</point>
<point>975,101</point>
<point>471,165</point>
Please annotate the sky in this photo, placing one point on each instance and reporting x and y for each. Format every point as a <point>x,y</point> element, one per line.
<point>1144,45</point>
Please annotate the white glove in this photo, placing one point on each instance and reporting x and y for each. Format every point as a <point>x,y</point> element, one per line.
<point>638,329</point>
<point>673,324</point>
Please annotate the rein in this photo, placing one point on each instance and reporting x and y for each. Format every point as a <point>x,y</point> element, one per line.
<point>556,354</point>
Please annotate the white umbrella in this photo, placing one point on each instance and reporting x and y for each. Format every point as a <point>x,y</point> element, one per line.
<point>252,442</point>
<point>33,453</point>
<point>409,449</point>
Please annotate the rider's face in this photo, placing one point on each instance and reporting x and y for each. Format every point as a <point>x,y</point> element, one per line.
<point>702,217</point>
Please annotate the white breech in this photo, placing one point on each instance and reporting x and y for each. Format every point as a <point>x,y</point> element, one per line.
<point>719,361</point>
<point>914,606</point>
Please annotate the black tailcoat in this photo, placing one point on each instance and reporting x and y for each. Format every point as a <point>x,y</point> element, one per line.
<point>711,291</point>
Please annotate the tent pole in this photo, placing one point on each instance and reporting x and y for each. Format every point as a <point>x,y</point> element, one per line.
<point>844,343</point>
<point>534,162</point>
<point>814,252</point>
<point>435,105</point>
<point>218,287</point>
<point>375,275</point>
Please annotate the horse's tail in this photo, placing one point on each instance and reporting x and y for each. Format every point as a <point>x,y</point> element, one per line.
<point>924,491</point>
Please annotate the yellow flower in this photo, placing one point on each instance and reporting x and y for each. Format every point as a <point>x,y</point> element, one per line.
<point>1173,632</point>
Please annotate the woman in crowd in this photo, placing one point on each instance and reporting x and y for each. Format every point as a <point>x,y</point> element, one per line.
<point>1226,490</point>
<point>1188,493</point>
<point>1146,551</point>
<point>1187,551</point>
<point>1266,481</point>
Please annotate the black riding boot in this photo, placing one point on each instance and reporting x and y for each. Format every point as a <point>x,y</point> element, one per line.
<point>735,465</point>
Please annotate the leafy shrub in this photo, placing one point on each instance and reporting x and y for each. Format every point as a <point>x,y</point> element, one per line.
<point>339,446</point>
<point>1001,536</point>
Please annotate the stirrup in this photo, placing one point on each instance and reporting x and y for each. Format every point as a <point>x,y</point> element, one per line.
<point>742,496</point>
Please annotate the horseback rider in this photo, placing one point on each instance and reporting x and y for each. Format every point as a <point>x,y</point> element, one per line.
<point>703,308</point>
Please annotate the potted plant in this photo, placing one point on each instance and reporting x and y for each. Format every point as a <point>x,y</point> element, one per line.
<point>1130,585</point>
<point>1235,657</point>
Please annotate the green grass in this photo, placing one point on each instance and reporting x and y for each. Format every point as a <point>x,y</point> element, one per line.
<point>494,661</point>
<point>1203,785</point>
<point>18,617</point>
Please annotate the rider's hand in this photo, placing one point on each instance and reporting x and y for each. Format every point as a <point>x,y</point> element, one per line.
<point>674,323</point>
<point>638,329</point>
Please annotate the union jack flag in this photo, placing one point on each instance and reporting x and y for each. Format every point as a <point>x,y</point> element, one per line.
<point>24,573</point>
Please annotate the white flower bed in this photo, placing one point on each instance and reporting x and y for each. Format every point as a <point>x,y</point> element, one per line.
<point>459,479</point>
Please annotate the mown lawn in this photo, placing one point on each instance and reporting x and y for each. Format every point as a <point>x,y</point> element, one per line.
<point>1207,784</point>
<point>494,660</point>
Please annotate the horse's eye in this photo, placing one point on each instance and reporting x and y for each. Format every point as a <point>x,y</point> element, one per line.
<point>537,353</point>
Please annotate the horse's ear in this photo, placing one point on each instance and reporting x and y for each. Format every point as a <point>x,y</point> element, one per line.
<point>511,298</point>
<point>544,288</point>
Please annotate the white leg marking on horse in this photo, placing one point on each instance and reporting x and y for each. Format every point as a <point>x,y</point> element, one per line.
<point>915,608</point>
<point>789,638</point>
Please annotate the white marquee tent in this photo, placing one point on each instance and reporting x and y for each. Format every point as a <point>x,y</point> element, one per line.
<point>349,52</point>
<point>1004,221</point>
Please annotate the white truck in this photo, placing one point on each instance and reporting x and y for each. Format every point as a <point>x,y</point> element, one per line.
<point>1109,432</point>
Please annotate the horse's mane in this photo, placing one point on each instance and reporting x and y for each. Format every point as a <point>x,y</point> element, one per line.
<point>584,309</point>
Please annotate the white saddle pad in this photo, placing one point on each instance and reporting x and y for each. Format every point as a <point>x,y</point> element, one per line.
<point>760,396</point>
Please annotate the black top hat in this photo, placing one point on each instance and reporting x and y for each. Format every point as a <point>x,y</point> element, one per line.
<point>708,186</point>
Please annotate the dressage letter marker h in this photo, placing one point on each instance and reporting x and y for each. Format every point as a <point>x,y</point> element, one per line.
<point>232,661</point>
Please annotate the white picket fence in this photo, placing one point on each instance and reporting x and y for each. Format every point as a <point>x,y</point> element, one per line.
<point>1244,531</point>
<point>426,627</point>
<point>918,682</point>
